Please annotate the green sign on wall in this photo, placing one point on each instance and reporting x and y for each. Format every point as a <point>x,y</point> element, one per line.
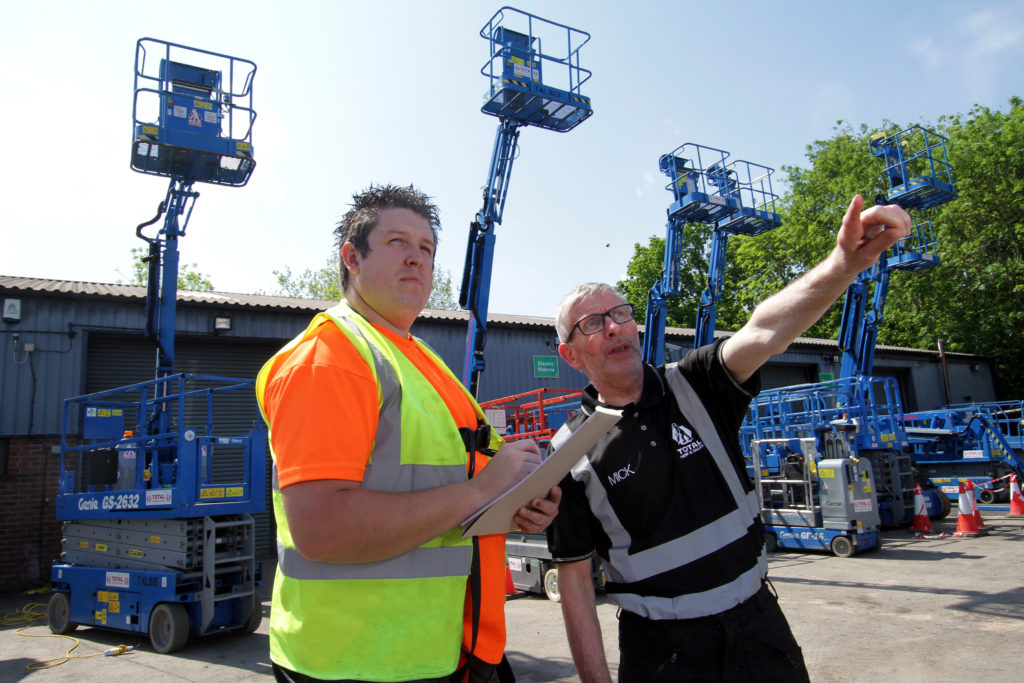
<point>545,366</point>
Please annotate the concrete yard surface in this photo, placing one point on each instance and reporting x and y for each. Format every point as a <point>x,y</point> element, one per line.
<point>932,609</point>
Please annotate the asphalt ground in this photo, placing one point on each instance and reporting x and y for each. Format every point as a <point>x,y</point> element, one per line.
<point>932,609</point>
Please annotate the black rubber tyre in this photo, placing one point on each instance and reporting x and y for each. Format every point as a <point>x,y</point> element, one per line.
<point>168,627</point>
<point>254,620</point>
<point>842,547</point>
<point>986,496</point>
<point>58,614</point>
<point>551,585</point>
<point>947,506</point>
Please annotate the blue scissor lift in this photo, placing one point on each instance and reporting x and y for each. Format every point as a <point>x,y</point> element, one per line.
<point>158,492</point>
<point>735,198</point>
<point>534,79</point>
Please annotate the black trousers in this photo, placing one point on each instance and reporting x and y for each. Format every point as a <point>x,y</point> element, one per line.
<point>750,642</point>
<point>477,672</point>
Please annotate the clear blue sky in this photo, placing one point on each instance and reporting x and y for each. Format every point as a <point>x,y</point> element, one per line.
<point>350,93</point>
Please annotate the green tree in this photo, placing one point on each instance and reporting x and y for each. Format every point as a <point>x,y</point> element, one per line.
<point>978,305</point>
<point>189,277</point>
<point>324,284</point>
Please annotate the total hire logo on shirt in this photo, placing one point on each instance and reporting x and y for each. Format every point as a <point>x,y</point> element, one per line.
<point>683,436</point>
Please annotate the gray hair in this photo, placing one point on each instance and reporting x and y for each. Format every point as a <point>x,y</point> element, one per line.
<point>562,322</point>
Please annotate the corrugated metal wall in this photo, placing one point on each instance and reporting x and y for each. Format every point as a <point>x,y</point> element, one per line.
<point>33,387</point>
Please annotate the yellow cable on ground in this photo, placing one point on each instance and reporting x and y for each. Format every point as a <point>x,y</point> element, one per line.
<point>35,611</point>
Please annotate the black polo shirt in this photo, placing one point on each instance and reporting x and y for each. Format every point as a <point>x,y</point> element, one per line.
<point>660,481</point>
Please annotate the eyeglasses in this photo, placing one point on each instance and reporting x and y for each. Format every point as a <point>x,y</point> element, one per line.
<point>594,323</point>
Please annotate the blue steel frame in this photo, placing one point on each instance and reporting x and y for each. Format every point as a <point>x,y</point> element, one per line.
<point>192,121</point>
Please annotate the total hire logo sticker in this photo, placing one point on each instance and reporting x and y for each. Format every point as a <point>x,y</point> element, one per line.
<point>683,436</point>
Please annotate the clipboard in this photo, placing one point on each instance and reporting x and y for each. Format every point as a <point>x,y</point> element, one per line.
<point>496,516</point>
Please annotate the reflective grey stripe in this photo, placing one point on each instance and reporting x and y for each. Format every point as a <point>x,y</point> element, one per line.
<point>387,442</point>
<point>401,478</point>
<point>694,410</point>
<point>415,564</point>
<point>695,605</point>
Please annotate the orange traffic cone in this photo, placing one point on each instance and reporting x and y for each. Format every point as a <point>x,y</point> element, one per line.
<point>510,587</point>
<point>966,524</point>
<point>1016,498</point>
<point>922,522</point>
<point>974,502</point>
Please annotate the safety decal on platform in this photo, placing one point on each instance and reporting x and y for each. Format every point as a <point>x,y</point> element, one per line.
<point>195,120</point>
<point>180,112</point>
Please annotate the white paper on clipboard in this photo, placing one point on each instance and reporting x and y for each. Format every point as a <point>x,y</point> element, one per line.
<point>496,517</point>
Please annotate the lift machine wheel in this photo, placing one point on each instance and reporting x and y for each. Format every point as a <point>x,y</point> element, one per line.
<point>168,627</point>
<point>58,614</point>
<point>551,585</point>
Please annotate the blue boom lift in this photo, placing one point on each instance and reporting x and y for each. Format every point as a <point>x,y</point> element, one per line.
<point>534,76</point>
<point>516,69</point>
<point>860,416</point>
<point>157,500</point>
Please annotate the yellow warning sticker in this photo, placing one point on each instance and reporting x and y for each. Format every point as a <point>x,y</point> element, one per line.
<point>827,474</point>
<point>235,491</point>
<point>101,596</point>
<point>205,494</point>
<point>114,607</point>
<point>154,539</point>
<point>101,547</point>
<point>202,104</point>
<point>134,552</point>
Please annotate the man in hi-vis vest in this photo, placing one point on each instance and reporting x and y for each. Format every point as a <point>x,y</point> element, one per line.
<point>379,455</point>
<point>664,498</point>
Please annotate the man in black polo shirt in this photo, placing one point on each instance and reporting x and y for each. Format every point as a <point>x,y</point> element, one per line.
<point>664,498</point>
